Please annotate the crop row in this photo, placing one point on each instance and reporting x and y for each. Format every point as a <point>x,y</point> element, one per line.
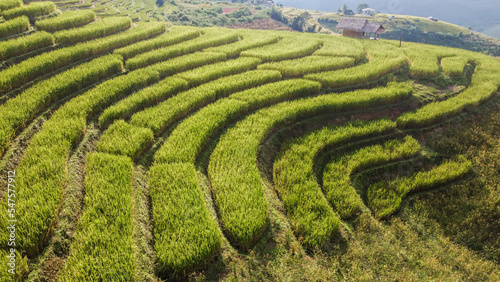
<point>187,139</point>
<point>309,64</point>
<point>165,89</point>
<point>126,139</point>
<point>15,26</point>
<point>341,47</point>
<point>313,220</point>
<point>33,10</point>
<point>484,84</point>
<point>454,66</point>
<point>437,111</point>
<point>287,48</point>
<point>190,210</point>
<point>422,62</point>
<point>41,180</point>
<point>185,102</point>
<point>381,62</point>
<point>9,4</point>
<point>162,115</point>
<point>240,196</point>
<point>385,197</point>
<point>101,28</point>
<point>176,34</point>
<point>179,212</point>
<point>18,111</point>
<point>249,40</point>
<point>31,68</point>
<point>185,234</point>
<point>209,38</point>
<point>68,20</point>
<point>25,44</point>
<point>102,249</point>
<point>148,96</point>
<point>337,185</point>
<point>210,72</point>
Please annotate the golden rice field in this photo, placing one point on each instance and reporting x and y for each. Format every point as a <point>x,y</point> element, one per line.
<point>148,152</point>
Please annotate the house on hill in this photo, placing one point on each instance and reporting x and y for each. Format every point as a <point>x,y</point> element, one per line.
<point>361,28</point>
<point>369,12</point>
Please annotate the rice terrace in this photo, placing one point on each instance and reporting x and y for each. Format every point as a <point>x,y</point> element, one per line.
<point>148,152</point>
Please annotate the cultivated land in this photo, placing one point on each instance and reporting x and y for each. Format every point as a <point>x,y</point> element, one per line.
<point>153,152</point>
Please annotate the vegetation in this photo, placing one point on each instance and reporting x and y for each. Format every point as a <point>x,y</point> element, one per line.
<point>382,60</point>
<point>385,197</point>
<point>286,48</point>
<point>454,66</point>
<point>210,72</point>
<point>250,40</point>
<point>148,96</point>
<point>125,139</point>
<point>341,47</point>
<point>9,4</point>
<point>185,234</point>
<point>18,111</point>
<point>14,26</point>
<point>164,114</point>
<point>103,246</point>
<point>46,177</point>
<point>33,67</point>
<point>309,64</point>
<point>337,174</point>
<point>310,215</point>
<point>174,35</point>
<point>244,217</point>
<point>94,30</point>
<point>68,20</point>
<point>32,10</point>
<point>26,44</point>
<point>174,153</point>
<point>209,39</point>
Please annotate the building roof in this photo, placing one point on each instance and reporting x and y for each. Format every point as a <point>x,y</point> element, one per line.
<point>352,24</point>
<point>360,25</point>
<point>372,27</point>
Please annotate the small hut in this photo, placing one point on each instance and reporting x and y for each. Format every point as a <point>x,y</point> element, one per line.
<point>361,28</point>
<point>369,12</point>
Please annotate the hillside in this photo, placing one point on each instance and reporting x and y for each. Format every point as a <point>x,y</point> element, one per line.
<point>481,15</point>
<point>408,28</point>
<point>149,152</point>
<point>258,14</point>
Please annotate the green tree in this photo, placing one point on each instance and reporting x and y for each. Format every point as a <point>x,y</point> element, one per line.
<point>298,23</point>
<point>345,10</point>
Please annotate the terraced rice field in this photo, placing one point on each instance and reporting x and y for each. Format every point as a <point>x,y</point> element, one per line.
<point>142,151</point>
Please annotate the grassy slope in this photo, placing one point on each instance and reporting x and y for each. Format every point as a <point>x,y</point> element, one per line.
<point>418,29</point>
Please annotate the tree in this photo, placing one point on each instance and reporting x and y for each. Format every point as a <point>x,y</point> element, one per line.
<point>345,10</point>
<point>361,7</point>
<point>298,23</point>
<point>278,16</point>
<point>342,9</point>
